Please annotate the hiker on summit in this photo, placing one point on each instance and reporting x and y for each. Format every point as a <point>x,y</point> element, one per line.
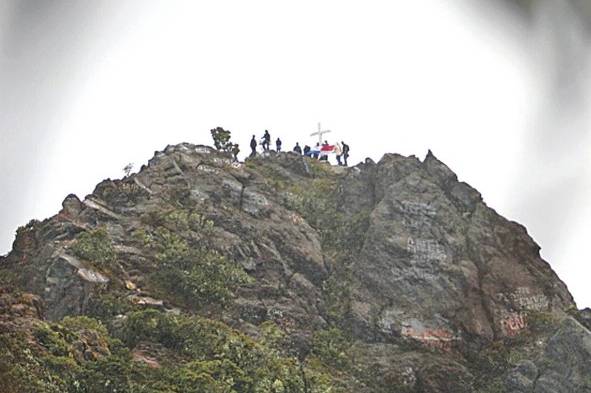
<point>338,151</point>
<point>253,146</point>
<point>266,141</point>
<point>235,151</point>
<point>307,152</point>
<point>325,150</point>
<point>297,148</point>
<point>278,144</point>
<point>315,152</point>
<point>345,152</point>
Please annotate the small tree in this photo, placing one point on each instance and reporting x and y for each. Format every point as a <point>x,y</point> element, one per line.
<point>221,139</point>
<point>127,169</point>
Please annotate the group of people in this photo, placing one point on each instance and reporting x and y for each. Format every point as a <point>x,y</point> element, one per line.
<point>319,152</point>
<point>265,143</point>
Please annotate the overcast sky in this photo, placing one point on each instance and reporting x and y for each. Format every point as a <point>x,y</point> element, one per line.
<point>502,97</point>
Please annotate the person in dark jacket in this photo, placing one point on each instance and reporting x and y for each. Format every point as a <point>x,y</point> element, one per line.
<point>266,140</point>
<point>278,144</point>
<point>253,146</point>
<point>345,152</point>
<point>297,148</point>
<point>307,151</point>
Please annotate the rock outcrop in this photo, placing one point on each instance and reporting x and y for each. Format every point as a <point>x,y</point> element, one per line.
<point>384,277</point>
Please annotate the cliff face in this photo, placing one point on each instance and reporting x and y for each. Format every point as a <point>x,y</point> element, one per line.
<point>387,277</point>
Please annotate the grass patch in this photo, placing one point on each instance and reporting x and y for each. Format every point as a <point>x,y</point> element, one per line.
<point>95,246</point>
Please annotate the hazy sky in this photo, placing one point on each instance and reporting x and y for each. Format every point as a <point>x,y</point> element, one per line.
<point>501,97</point>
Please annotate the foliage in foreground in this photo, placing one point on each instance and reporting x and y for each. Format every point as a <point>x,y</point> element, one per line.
<point>199,355</point>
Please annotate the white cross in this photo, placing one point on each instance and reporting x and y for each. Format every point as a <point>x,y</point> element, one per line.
<point>320,133</point>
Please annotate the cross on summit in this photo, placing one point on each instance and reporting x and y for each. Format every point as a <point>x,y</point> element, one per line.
<point>320,133</point>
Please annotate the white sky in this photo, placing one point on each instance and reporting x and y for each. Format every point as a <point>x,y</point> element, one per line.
<point>86,91</point>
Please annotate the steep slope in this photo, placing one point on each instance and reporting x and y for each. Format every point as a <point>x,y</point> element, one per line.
<point>287,275</point>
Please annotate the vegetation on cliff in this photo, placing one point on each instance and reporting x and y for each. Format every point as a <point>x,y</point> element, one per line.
<point>282,275</point>
<point>197,355</point>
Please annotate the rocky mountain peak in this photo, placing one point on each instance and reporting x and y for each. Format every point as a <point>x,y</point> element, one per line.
<point>387,276</point>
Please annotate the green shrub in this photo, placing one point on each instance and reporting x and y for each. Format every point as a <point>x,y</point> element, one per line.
<point>153,326</point>
<point>172,250</point>
<point>272,335</point>
<point>337,290</point>
<point>53,339</point>
<point>106,306</point>
<point>106,375</point>
<point>180,220</point>
<point>204,355</point>
<point>195,276</point>
<point>214,278</point>
<point>213,376</point>
<point>95,246</point>
<point>332,347</point>
<point>221,359</point>
<point>22,369</point>
<point>31,378</point>
<point>80,323</point>
<point>208,280</point>
<point>189,271</point>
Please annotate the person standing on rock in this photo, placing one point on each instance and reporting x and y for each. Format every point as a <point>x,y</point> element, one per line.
<point>297,148</point>
<point>266,140</point>
<point>345,152</point>
<point>315,152</point>
<point>325,150</point>
<point>278,144</point>
<point>338,151</point>
<point>253,146</point>
<point>235,151</point>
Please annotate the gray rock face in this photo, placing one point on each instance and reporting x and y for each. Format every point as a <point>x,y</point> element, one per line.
<point>400,255</point>
<point>523,378</point>
<point>438,264</point>
<point>565,366</point>
<point>69,285</point>
<point>562,367</point>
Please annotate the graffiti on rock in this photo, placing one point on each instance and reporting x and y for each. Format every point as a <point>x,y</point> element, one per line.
<point>418,209</point>
<point>513,324</point>
<point>524,299</point>
<point>441,339</point>
<point>426,250</point>
<point>417,214</point>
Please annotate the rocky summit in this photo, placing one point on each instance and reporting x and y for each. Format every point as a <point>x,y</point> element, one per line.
<point>285,274</point>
